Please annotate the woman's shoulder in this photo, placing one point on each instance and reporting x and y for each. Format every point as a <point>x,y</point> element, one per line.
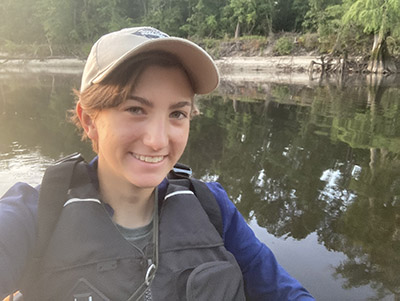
<point>18,211</point>
<point>221,196</point>
<point>19,204</point>
<point>20,193</point>
<point>229,212</point>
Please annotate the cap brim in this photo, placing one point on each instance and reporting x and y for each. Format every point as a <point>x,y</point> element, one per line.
<point>198,64</point>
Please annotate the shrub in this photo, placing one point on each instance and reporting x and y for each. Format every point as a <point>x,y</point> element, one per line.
<point>309,41</point>
<point>283,46</point>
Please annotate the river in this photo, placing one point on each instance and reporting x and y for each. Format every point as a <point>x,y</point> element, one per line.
<point>314,167</point>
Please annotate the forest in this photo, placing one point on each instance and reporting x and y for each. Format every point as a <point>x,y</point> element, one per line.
<point>368,28</point>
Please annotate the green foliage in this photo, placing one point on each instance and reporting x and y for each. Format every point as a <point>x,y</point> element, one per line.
<point>56,27</point>
<point>16,49</point>
<point>393,44</point>
<point>301,7</point>
<point>373,15</point>
<point>309,41</point>
<point>167,15</point>
<point>203,21</point>
<point>253,17</point>
<point>288,15</point>
<point>19,23</point>
<point>317,15</point>
<point>283,46</point>
<point>329,26</point>
<point>243,12</point>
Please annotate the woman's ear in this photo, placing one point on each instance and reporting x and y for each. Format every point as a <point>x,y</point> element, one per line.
<point>87,122</point>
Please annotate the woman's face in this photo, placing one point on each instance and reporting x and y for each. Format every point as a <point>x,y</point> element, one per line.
<point>141,140</point>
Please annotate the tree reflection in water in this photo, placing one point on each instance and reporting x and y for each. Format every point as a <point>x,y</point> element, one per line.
<point>324,160</point>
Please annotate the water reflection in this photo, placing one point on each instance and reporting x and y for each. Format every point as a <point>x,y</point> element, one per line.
<point>21,164</point>
<point>33,114</point>
<point>315,165</point>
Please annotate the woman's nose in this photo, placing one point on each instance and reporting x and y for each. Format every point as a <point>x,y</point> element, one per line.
<point>156,135</point>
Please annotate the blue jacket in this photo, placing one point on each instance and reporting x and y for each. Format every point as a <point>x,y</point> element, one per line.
<point>264,278</point>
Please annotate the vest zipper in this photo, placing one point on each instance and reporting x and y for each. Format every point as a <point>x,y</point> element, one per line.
<point>152,263</point>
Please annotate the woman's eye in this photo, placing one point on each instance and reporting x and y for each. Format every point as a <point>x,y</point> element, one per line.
<point>135,110</point>
<point>178,115</point>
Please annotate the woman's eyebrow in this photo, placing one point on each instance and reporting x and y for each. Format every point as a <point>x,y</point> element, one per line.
<point>181,104</point>
<point>142,100</point>
<point>148,103</point>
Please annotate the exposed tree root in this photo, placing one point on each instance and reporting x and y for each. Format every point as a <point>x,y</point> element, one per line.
<point>338,65</point>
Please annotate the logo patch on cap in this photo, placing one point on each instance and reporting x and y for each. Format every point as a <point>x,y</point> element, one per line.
<point>151,33</point>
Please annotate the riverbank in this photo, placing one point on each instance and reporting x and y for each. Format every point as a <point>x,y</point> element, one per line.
<point>236,68</point>
<point>280,69</point>
<point>50,65</point>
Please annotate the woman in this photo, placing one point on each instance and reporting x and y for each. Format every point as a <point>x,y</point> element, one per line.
<point>125,231</point>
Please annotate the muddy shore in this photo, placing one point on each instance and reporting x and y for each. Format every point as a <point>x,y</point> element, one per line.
<point>279,69</point>
<point>272,68</point>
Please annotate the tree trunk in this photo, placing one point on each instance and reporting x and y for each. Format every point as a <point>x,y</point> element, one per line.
<point>144,7</point>
<point>381,61</point>
<point>375,89</point>
<point>269,22</point>
<point>372,162</point>
<point>49,45</point>
<point>237,30</point>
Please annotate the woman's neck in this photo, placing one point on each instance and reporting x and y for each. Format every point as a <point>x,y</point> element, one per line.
<point>133,206</point>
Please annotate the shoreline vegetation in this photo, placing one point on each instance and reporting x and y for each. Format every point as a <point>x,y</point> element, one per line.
<point>341,36</point>
<point>243,60</point>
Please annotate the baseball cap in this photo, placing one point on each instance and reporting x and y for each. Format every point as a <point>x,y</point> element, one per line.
<point>114,49</point>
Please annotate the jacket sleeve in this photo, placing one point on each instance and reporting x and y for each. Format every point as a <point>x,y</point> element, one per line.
<point>18,208</point>
<point>264,278</point>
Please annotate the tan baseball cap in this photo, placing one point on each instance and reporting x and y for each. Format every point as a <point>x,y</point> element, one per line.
<point>114,49</point>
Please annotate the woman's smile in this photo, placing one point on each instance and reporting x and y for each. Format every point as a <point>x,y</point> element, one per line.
<point>148,159</point>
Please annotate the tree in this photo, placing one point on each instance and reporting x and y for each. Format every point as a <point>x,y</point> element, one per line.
<point>251,16</point>
<point>289,14</point>
<point>68,23</point>
<point>324,17</point>
<point>317,15</point>
<point>19,24</point>
<point>204,19</point>
<point>168,15</point>
<point>380,18</point>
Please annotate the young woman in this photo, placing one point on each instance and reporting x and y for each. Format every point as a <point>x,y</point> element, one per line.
<point>128,229</point>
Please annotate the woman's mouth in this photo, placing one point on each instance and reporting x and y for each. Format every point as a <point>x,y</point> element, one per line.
<point>149,159</point>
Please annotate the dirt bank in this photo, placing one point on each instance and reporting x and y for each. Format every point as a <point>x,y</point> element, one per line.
<point>292,69</point>
<point>271,68</point>
<point>277,63</point>
<point>59,65</point>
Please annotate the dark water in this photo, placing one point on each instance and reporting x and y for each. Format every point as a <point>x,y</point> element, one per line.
<point>314,169</point>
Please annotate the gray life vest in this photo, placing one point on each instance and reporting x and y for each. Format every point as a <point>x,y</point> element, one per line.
<point>87,258</point>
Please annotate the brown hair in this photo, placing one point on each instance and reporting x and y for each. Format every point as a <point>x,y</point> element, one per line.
<point>118,86</point>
